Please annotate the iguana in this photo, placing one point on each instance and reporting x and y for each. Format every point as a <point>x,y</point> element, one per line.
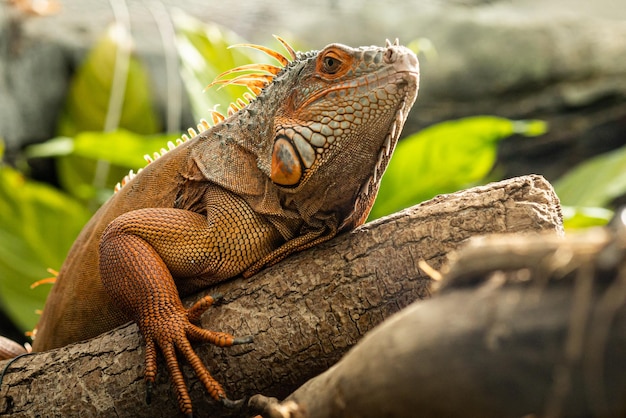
<point>298,164</point>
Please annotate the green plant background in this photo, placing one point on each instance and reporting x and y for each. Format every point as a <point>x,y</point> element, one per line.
<point>38,222</point>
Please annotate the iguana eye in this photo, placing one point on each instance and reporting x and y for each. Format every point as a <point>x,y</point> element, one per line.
<point>331,64</point>
<point>334,61</point>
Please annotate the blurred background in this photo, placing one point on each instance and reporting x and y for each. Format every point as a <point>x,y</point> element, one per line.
<point>87,87</point>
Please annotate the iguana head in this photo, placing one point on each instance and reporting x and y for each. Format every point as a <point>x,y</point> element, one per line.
<point>322,127</point>
<point>342,110</point>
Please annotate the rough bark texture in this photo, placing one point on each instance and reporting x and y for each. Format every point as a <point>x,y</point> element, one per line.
<point>304,313</point>
<point>540,330</point>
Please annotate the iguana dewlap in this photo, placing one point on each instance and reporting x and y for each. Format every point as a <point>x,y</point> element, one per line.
<point>297,165</point>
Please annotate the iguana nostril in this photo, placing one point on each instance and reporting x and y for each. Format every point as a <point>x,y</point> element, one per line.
<point>390,55</point>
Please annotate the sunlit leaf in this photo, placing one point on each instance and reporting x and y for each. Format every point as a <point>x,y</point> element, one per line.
<point>88,101</point>
<point>205,52</point>
<point>445,158</point>
<point>122,149</point>
<point>109,91</point>
<point>595,182</point>
<point>37,227</point>
<point>580,217</point>
<point>424,46</point>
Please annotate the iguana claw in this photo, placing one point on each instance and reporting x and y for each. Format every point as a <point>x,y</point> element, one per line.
<point>149,386</point>
<point>227,403</point>
<point>217,297</point>
<point>243,340</point>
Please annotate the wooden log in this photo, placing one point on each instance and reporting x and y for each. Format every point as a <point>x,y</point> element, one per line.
<point>304,313</point>
<point>539,330</point>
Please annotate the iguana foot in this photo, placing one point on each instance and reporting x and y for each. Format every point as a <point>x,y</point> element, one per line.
<point>173,332</point>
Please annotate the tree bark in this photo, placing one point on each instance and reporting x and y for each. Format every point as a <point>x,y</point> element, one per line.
<point>539,330</point>
<point>304,313</point>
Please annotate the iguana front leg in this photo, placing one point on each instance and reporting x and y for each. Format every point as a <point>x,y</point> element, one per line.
<point>146,254</point>
<point>299,243</point>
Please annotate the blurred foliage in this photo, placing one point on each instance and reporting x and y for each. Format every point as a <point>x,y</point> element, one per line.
<point>122,151</point>
<point>590,188</point>
<point>445,158</point>
<point>205,53</point>
<point>108,124</point>
<point>207,50</point>
<point>110,91</point>
<point>38,224</point>
<point>596,182</point>
<point>92,95</point>
<point>578,217</point>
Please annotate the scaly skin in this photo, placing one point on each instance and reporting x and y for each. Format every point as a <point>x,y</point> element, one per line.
<point>299,164</point>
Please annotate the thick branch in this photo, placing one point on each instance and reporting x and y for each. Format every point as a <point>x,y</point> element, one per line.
<point>304,313</point>
<point>540,330</point>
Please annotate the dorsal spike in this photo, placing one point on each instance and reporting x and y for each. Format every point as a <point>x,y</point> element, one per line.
<point>255,90</point>
<point>276,55</point>
<point>203,125</point>
<point>217,117</point>
<point>253,76</point>
<point>257,80</point>
<point>267,68</point>
<point>288,47</point>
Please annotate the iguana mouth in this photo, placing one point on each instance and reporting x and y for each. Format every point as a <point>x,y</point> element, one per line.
<point>369,190</point>
<point>405,77</point>
<point>389,144</point>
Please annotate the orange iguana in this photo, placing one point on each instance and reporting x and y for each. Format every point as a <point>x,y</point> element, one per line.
<point>300,163</point>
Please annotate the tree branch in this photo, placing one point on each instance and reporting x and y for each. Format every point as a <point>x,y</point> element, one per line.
<point>304,313</point>
<point>539,330</point>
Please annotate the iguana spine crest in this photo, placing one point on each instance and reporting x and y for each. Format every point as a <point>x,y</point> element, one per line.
<point>256,77</point>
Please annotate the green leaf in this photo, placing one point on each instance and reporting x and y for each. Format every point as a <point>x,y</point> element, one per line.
<point>205,50</point>
<point>445,158</point>
<point>110,90</point>
<point>595,182</point>
<point>37,227</point>
<point>204,53</point>
<point>89,100</point>
<point>424,46</point>
<point>580,217</point>
<point>55,147</point>
<point>123,150</point>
